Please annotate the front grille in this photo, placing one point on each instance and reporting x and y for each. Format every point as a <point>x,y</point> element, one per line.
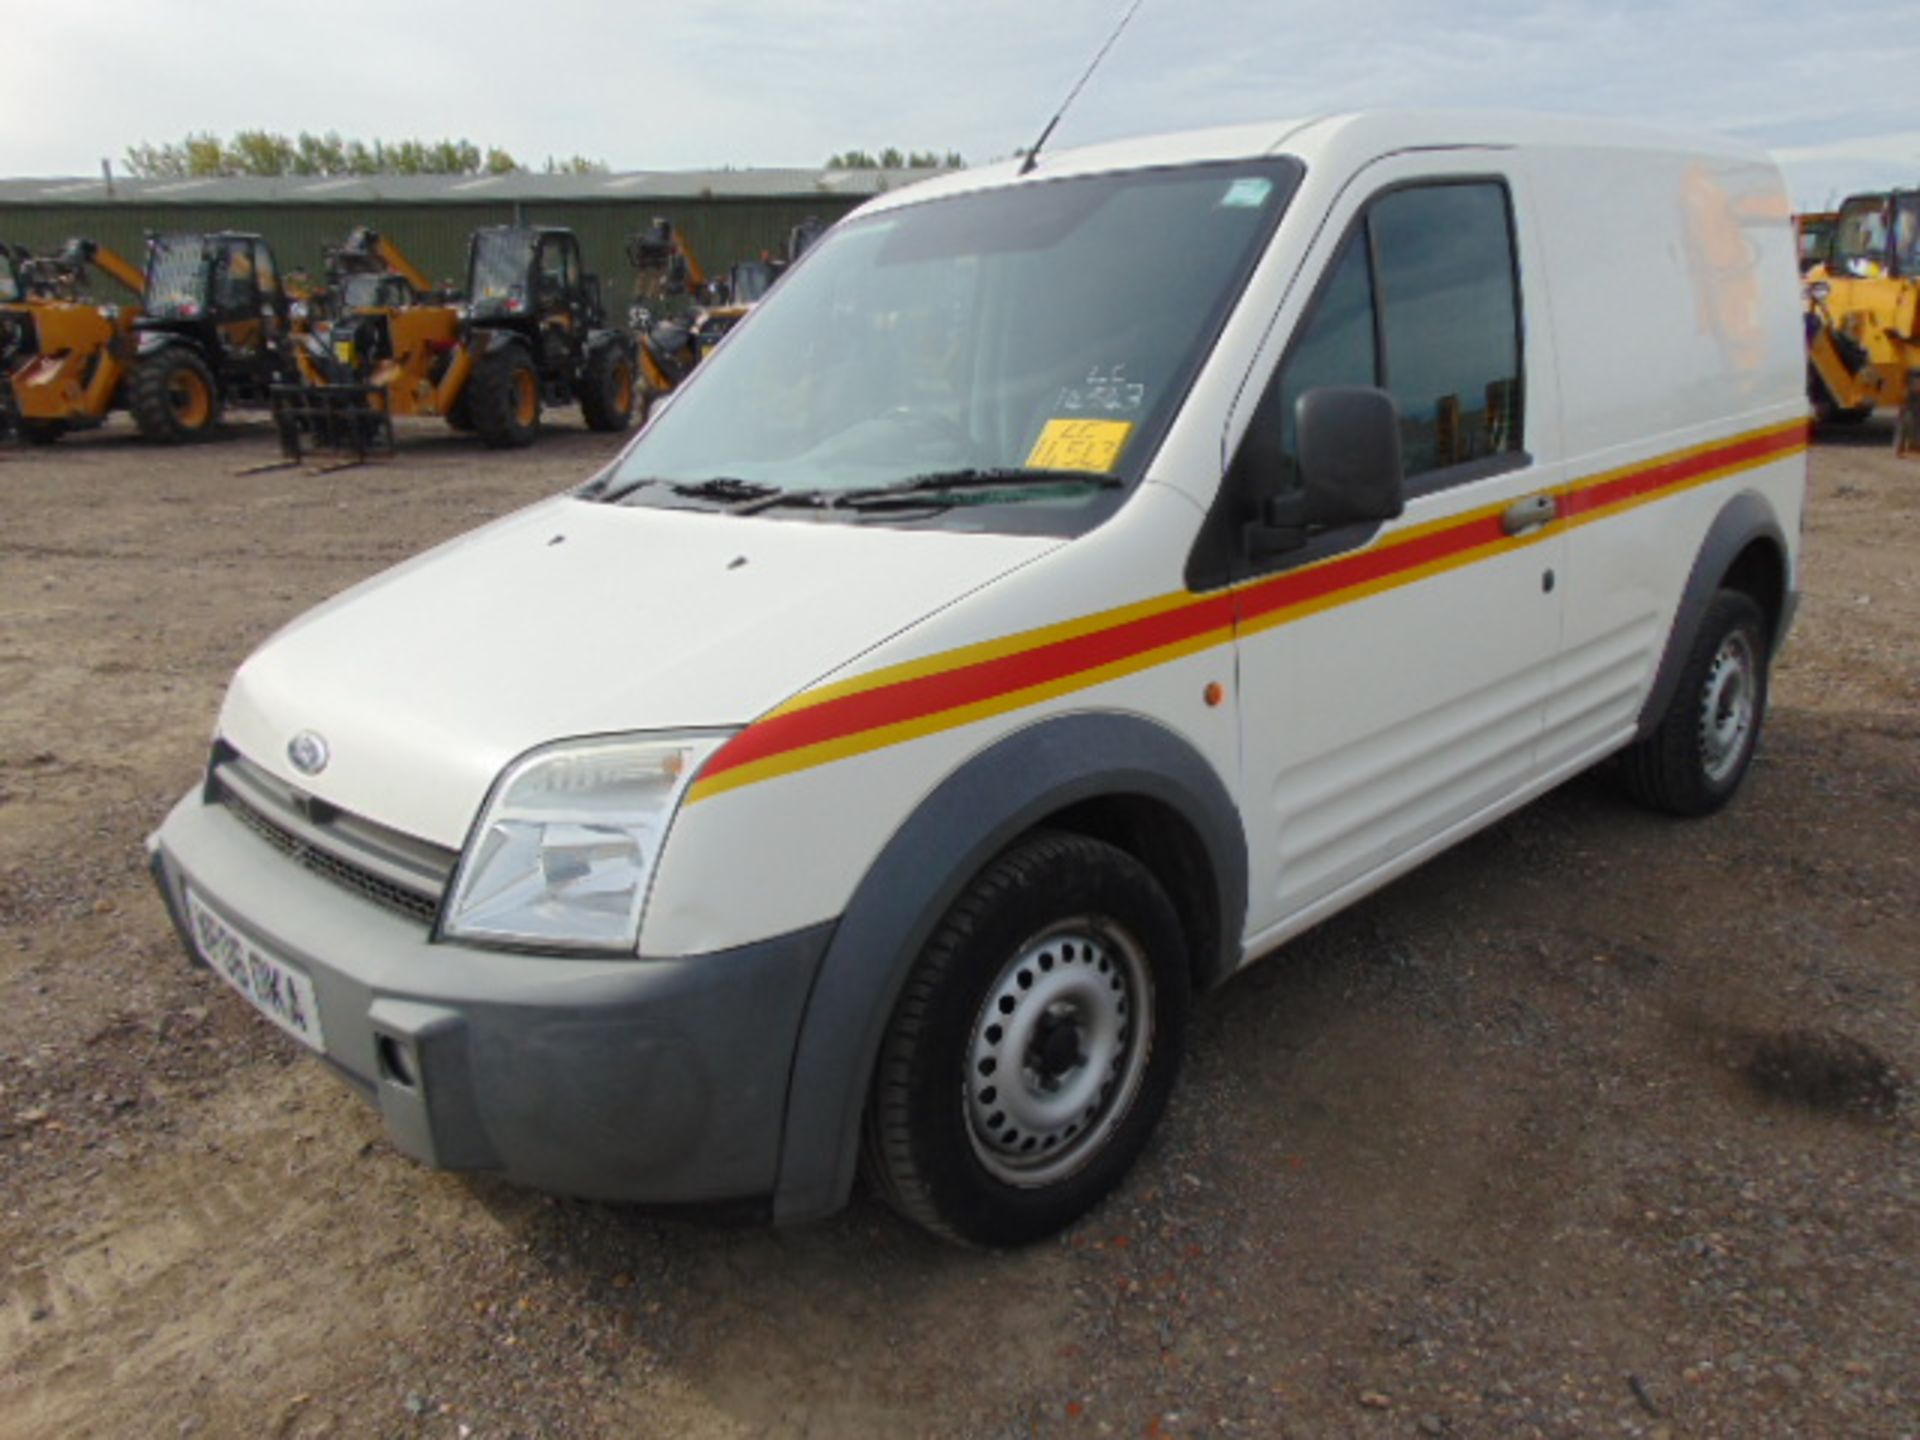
<point>385,867</point>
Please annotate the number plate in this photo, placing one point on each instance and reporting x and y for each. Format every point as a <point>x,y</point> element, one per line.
<point>270,985</point>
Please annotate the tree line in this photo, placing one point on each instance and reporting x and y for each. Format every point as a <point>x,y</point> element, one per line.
<point>895,159</point>
<point>263,152</point>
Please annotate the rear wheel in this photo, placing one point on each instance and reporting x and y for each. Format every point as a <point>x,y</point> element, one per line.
<point>1695,760</point>
<point>1034,1046</point>
<point>606,389</point>
<point>503,399</point>
<point>173,396</point>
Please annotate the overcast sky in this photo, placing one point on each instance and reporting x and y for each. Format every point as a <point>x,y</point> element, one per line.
<point>648,85</point>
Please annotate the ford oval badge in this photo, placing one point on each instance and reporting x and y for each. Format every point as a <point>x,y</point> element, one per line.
<point>308,752</point>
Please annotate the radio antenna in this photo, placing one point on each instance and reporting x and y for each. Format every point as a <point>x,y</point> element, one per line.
<point>1033,155</point>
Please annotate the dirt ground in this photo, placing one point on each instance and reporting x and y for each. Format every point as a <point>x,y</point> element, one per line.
<point>1584,1129</point>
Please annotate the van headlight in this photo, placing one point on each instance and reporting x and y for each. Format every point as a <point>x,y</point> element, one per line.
<point>566,846</point>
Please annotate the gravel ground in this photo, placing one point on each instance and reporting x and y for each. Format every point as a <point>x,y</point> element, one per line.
<point>1595,1126</point>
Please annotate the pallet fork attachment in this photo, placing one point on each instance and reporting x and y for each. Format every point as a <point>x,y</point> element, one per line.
<point>341,420</point>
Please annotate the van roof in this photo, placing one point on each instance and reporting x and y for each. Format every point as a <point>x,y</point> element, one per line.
<point>1344,141</point>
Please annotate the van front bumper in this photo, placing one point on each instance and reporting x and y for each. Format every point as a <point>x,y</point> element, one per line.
<point>653,1080</point>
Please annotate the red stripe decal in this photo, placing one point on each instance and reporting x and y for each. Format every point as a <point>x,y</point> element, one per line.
<point>1678,472</point>
<point>947,690</point>
<point>950,689</point>
<point>1362,567</point>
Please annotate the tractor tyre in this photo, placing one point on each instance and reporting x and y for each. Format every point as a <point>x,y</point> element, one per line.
<point>173,396</point>
<point>607,390</point>
<point>460,417</point>
<point>503,399</point>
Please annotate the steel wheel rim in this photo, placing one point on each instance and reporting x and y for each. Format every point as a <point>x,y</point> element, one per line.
<point>188,398</point>
<point>1058,1051</point>
<point>525,399</point>
<point>623,388</point>
<point>1728,704</point>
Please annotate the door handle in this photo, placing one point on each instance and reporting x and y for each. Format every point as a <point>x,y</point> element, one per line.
<point>1528,514</point>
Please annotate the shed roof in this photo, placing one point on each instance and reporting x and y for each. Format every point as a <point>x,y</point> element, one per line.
<point>768,184</point>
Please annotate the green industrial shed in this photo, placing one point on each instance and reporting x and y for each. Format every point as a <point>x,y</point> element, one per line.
<point>726,215</point>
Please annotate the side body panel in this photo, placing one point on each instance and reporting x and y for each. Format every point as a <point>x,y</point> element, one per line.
<point>1673,404</point>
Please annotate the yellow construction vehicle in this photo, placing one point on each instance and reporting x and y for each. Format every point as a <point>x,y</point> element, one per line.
<point>666,314</point>
<point>679,313</point>
<point>210,330</point>
<point>1863,315</point>
<point>16,329</point>
<point>63,355</point>
<point>1813,236</point>
<point>530,334</point>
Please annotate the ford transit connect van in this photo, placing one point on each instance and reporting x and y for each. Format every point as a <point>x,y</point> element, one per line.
<point>1063,589</point>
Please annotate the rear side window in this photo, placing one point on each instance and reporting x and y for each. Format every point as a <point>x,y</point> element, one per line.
<point>1423,301</point>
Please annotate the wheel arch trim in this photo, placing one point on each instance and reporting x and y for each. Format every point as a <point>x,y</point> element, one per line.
<point>970,816</point>
<point>1745,520</point>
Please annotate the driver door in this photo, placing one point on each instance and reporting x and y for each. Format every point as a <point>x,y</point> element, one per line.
<point>557,281</point>
<point>236,300</point>
<point>1394,678</point>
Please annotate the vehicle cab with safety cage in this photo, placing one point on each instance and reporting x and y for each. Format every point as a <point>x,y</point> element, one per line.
<point>1077,577</point>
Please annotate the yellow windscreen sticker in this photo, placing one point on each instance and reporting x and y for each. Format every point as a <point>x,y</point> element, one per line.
<point>1079,444</point>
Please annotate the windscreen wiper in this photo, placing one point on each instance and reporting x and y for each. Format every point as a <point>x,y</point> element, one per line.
<point>607,492</point>
<point>728,489</point>
<point>937,488</point>
<point>974,486</point>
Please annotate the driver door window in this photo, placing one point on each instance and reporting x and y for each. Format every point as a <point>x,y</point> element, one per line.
<point>269,281</point>
<point>1422,301</point>
<point>556,273</point>
<point>233,280</point>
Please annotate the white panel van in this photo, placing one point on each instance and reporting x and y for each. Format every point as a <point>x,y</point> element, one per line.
<point>1062,589</point>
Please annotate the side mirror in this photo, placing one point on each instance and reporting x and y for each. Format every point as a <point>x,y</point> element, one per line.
<point>1348,437</point>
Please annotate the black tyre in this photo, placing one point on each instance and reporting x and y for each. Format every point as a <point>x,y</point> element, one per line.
<point>1695,760</point>
<point>1034,1046</point>
<point>41,432</point>
<point>503,399</point>
<point>173,396</point>
<point>460,417</point>
<point>607,389</point>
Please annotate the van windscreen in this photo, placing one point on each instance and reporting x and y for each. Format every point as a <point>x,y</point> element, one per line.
<point>1043,326</point>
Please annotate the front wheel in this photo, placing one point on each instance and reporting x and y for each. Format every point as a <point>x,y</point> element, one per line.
<point>1699,753</point>
<point>606,390</point>
<point>504,399</point>
<point>173,396</point>
<point>1034,1046</point>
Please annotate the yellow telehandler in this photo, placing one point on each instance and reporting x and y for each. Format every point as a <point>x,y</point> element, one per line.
<point>679,312</point>
<point>530,334</point>
<point>209,331</point>
<point>64,356</point>
<point>1863,315</point>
